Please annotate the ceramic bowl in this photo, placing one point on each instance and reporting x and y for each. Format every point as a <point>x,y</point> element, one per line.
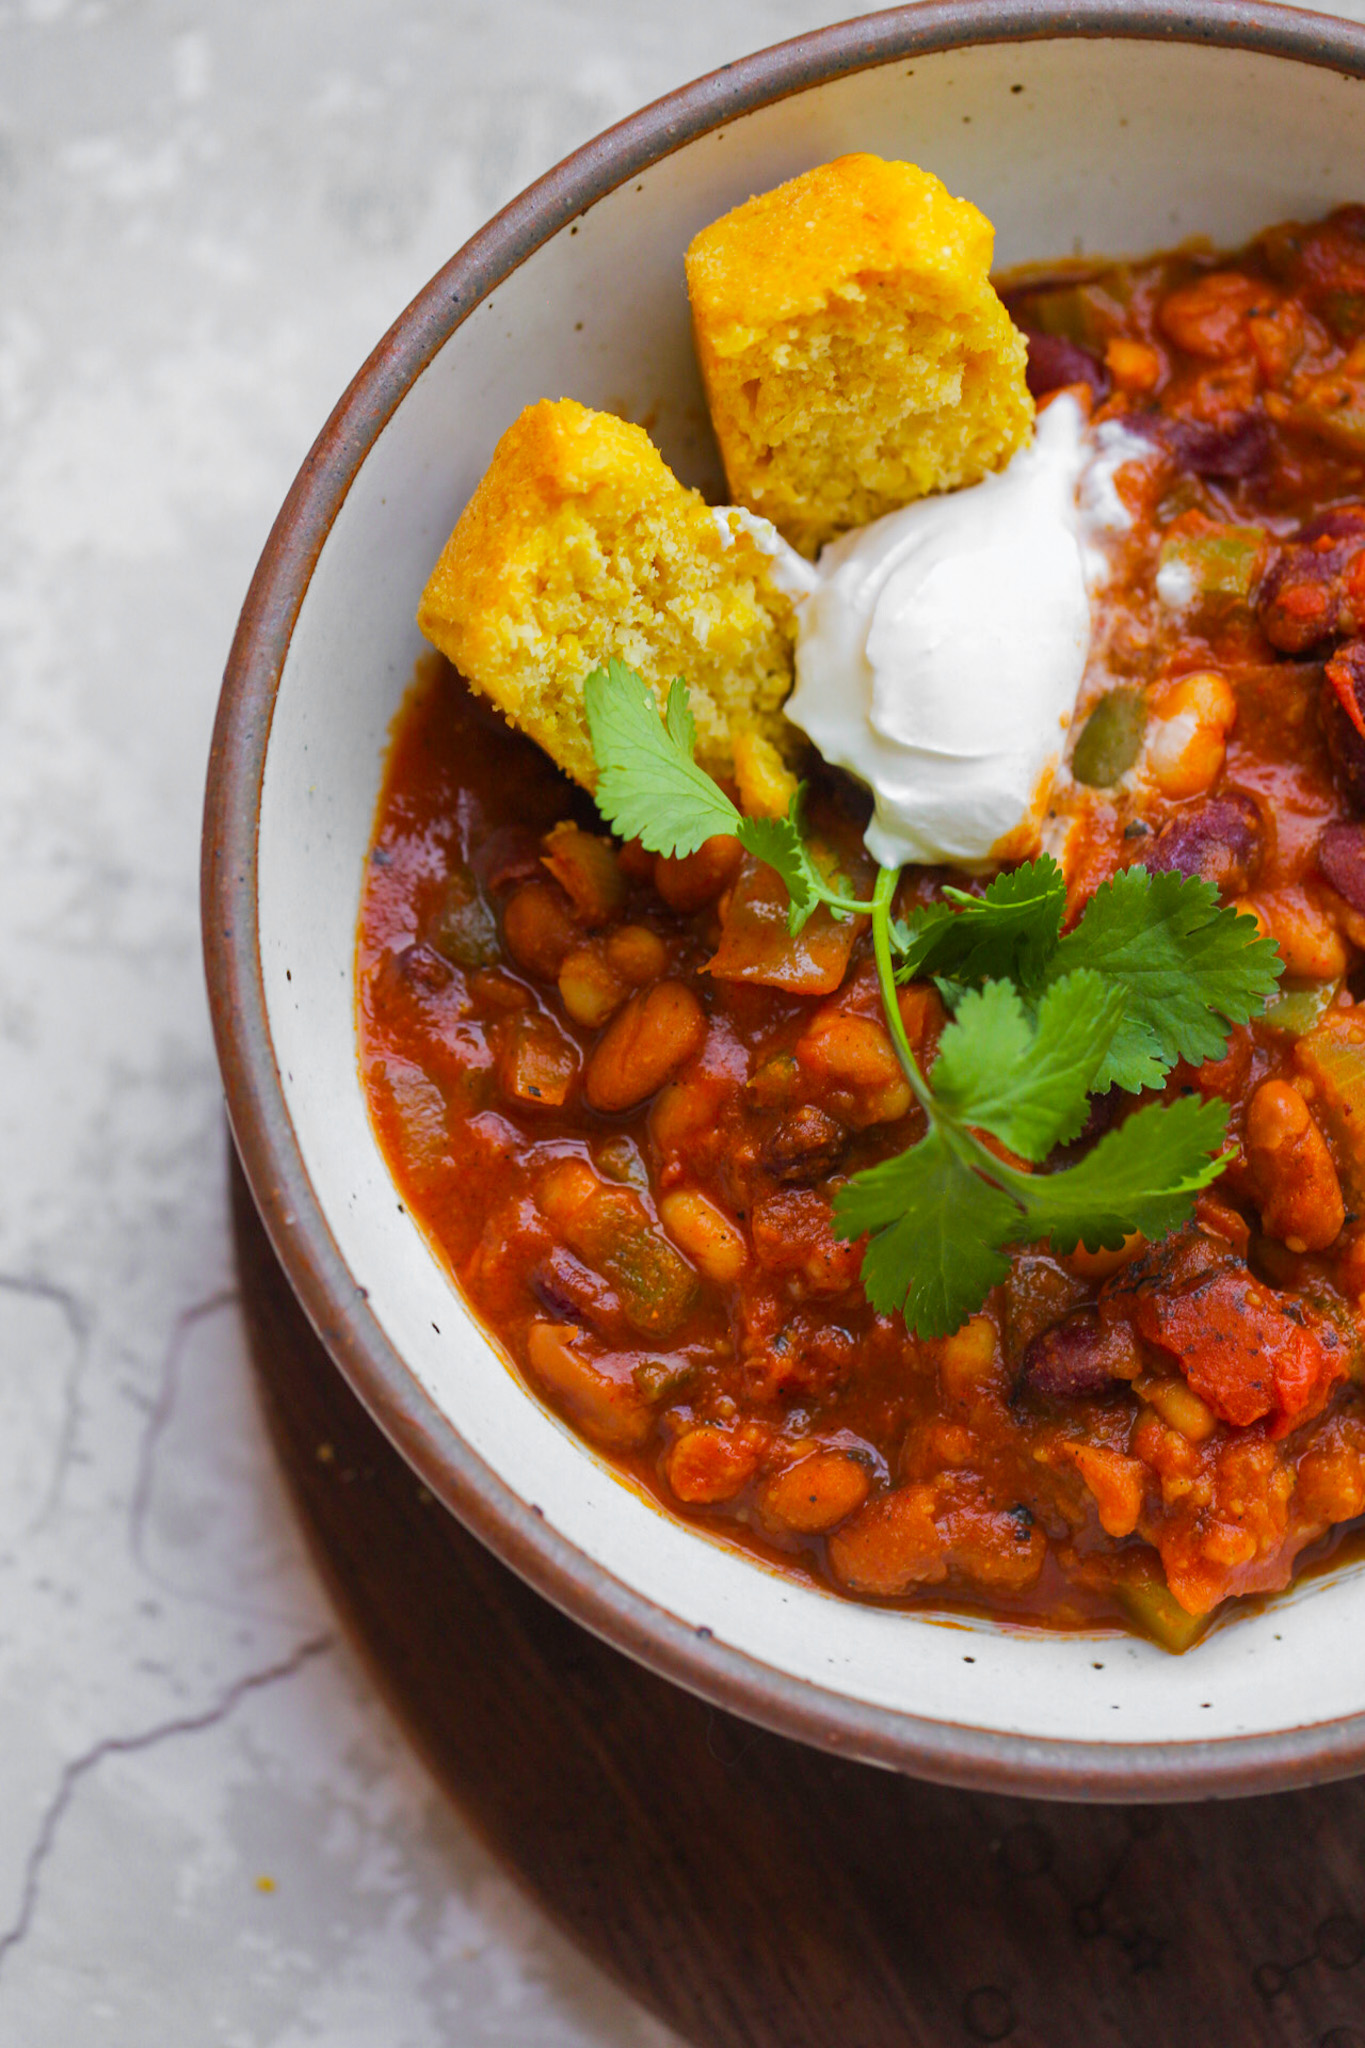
<point>1097,127</point>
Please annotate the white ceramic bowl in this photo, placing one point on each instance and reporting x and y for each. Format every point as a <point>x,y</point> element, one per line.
<point>1101,128</point>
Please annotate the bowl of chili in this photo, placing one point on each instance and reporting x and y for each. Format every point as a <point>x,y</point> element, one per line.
<point>1084,132</point>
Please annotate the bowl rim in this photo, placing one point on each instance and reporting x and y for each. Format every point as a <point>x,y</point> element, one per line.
<point>947,1752</point>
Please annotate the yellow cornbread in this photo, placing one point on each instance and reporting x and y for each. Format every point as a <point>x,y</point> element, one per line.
<point>580,544</point>
<point>856,356</point>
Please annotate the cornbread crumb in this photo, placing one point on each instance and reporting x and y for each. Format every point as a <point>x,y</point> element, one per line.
<point>580,544</point>
<point>766,783</point>
<point>855,353</point>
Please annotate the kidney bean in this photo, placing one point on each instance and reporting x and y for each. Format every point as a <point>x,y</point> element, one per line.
<point>1315,587</point>
<point>1079,1358</point>
<point>1226,452</point>
<point>1220,841</point>
<point>1053,362</point>
<point>1341,861</point>
<point>805,1146</point>
<point>1342,713</point>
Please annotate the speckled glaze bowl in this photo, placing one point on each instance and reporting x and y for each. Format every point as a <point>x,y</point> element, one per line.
<point>1100,127</point>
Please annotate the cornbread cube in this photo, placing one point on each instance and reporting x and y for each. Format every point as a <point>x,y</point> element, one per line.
<point>855,354</point>
<point>580,544</point>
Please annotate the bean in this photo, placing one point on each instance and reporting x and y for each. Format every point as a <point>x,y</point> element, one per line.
<point>890,1545</point>
<point>540,930</point>
<point>708,1237</point>
<point>1054,362</point>
<point>637,954</point>
<point>1343,719</point>
<point>644,1045</point>
<point>708,1465</point>
<point>587,869</point>
<point>1315,586</point>
<point>855,1054</point>
<point>1218,841</point>
<point>1179,1407</point>
<point>1079,1358</point>
<point>1226,452</point>
<point>1187,737</point>
<point>805,1146</point>
<point>1296,1184</point>
<point>1208,317</point>
<point>815,1494</point>
<point>605,1407</point>
<point>696,879</point>
<point>1341,861</point>
<point>1311,947</point>
<point>589,987</point>
<point>1133,365</point>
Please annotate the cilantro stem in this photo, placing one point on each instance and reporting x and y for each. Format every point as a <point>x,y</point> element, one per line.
<point>883,896</point>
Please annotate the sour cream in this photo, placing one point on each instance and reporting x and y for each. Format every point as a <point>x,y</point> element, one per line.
<point>940,650</point>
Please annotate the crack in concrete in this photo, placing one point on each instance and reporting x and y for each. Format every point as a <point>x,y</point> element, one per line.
<point>160,1415</point>
<point>78,1321</point>
<point>127,1745</point>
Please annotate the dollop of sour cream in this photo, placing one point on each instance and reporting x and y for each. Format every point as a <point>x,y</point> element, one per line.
<point>940,650</point>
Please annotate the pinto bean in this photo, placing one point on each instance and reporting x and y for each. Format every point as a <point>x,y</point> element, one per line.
<point>1296,1184</point>
<point>1187,736</point>
<point>1219,840</point>
<point>540,929</point>
<point>1054,362</point>
<point>806,1146</point>
<point>644,1046</point>
<point>693,880</point>
<point>815,1494</point>
<point>1208,317</point>
<point>1341,861</point>
<point>1079,1358</point>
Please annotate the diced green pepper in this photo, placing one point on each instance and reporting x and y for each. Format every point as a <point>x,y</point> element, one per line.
<point>618,1158</point>
<point>1215,565</point>
<point>464,928</point>
<point>1111,739</point>
<point>1085,313</point>
<point>658,1379</point>
<point>656,1285</point>
<point>1332,1055</point>
<point>1153,1607</point>
<point>1301,1006</point>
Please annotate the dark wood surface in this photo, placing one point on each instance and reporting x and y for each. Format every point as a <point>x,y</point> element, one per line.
<point>756,1894</point>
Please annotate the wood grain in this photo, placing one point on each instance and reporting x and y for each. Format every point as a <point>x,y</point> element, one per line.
<point>756,1894</point>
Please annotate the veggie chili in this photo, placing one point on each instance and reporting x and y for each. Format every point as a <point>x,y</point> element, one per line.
<point>633,1109</point>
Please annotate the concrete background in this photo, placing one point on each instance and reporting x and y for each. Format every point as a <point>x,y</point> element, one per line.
<point>210,1829</point>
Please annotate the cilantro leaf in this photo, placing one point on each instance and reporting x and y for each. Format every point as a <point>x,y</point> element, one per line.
<point>1188,970</point>
<point>1143,1176</point>
<point>1027,1083</point>
<point>649,787</point>
<point>779,842</point>
<point>936,1231</point>
<point>1008,933</point>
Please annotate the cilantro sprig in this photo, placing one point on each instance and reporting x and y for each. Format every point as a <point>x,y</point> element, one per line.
<point>1154,972</point>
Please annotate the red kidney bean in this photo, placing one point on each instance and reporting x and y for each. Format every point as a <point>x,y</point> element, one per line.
<point>1226,453</point>
<point>1053,361</point>
<point>1342,711</point>
<point>1314,587</point>
<point>1220,841</point>
<point>1077,1359</point>
<point>1341,861</point>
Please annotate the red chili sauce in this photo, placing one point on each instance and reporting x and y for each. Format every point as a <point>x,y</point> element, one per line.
<point>616,1095</point>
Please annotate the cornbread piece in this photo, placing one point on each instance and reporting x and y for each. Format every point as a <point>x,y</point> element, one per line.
<point>579,544</point>
<point>855,353</point>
